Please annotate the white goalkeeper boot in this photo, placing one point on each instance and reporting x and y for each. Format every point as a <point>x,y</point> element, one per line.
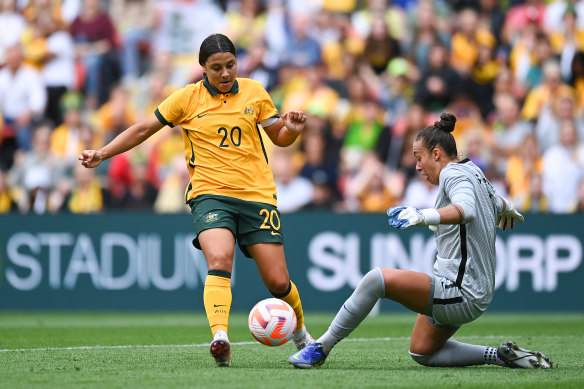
<point>518,358</point>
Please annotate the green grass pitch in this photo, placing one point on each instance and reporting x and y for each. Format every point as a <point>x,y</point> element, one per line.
<point>170,350</point>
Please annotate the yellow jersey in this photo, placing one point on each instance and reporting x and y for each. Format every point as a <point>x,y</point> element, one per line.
<point>224,151</point>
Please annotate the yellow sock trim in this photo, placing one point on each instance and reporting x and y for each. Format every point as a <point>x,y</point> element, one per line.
<point>217,299</point>
<point>293,299</point>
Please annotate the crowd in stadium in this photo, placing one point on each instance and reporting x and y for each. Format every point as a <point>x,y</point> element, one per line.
<point>369,73</point>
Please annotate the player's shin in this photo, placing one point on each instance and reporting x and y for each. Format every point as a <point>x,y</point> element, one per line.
<point>355,309</point>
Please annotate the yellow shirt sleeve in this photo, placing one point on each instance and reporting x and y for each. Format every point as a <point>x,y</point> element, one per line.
<point>172,110</point>
<point>265,105</point>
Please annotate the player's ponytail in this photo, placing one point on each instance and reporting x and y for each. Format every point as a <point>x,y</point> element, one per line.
<point>213,44</point>
<point>440,134</point>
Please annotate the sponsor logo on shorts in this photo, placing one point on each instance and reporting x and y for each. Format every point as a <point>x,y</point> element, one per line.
<point>211,217</point>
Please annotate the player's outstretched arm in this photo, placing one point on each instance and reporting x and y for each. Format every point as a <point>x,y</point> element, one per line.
<point>406,216</point>
<point>125,141</point>
<point>285,131</point>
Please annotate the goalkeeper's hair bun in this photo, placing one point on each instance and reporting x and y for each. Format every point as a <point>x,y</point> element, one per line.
<point>446,122</point>
<point>440,134</point>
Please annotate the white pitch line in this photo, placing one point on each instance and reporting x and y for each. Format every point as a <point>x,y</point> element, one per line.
<point>129,346</point>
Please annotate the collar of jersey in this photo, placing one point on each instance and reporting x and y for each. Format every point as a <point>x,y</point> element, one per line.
<point>214,92</point>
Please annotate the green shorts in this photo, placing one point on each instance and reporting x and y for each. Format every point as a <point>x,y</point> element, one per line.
<point>250,222</point>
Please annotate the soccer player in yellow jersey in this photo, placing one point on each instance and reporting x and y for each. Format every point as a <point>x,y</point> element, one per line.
<point>231,193</point>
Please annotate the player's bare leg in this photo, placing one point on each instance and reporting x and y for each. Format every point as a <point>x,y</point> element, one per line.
<point>271,264</point>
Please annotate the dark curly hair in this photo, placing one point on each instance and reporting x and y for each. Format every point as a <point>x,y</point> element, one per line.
<point>440,134</point>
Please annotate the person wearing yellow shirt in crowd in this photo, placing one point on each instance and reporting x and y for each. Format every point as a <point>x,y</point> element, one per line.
<point>86,195</point>
<point>546,94</point>
<point>231,192</point>
<point>467,42</point>
<point>521,167</point>
<point>71,137</point>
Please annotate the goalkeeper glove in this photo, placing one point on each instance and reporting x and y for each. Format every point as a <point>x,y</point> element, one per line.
<point>506,219</point>
<point>405,217</point>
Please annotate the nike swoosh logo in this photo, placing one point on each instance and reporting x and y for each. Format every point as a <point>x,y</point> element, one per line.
<point>200,116</point>
<point>295,356</point>
<point>275,233</point>
<point>218,305</point>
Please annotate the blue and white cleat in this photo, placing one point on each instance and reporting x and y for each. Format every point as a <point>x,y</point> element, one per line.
<point>309,357</point>
<point>518,358</point>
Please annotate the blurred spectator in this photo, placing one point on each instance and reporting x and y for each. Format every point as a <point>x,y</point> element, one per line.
<point>134,21</point>
<point>475,147</point>
<point>141,194</point>
<point>119,178</point>
<point>36,173</point>
<point>170,198</point>
<point>535,200</point>
<point>302,50</point>
<point>86,195</point>
<point>440,83</point>
<point>94,35</point>
<point>550,118</point>
<point>398,91</point>
<point>508,129</point>
<point>58,67</point>
<point>467,41</point>
<point>320,167</point>
<point>480,85</point>
<point>373,188</point>
<point>519,16</point>
<point>380,47</point>
<point>523,51</point>
<point>254,63</point>
<point>555,11</point>
<point>364,130</point>
<point>115,115</point>
<point>491,15</point>
<point>563,169</point>
<point>577,77</point>
<point>22,96</point>
<point>545,94</point>
<point>245,23</point>
<point>542,52</point>
<point>7,203</point>
<point>73,136</point>
<point>393,16</point>
<point>13,25</point>
<point>566,43</point>
<point>294,191</point>
<point>420,193</point>
<point>426,31</point>
<point>521,167</point>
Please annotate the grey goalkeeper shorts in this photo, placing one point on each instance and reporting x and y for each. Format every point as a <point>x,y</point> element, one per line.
<point>448,306</point>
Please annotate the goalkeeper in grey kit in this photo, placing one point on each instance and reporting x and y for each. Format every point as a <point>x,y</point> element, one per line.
<point>463,281</point>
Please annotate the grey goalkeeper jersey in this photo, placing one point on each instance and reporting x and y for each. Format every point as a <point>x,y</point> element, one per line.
<point>466,252</point>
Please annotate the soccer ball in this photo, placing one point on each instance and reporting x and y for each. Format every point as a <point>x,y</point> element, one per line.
<point>272,322</point>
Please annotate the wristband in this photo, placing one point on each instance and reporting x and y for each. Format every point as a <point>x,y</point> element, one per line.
<point>431,216</point>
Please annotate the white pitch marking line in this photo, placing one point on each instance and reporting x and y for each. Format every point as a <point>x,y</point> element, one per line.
<point>404,338</point>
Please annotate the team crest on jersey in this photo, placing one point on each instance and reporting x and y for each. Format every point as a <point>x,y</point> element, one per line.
<point>211,217</point>
<point>248,111</point>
